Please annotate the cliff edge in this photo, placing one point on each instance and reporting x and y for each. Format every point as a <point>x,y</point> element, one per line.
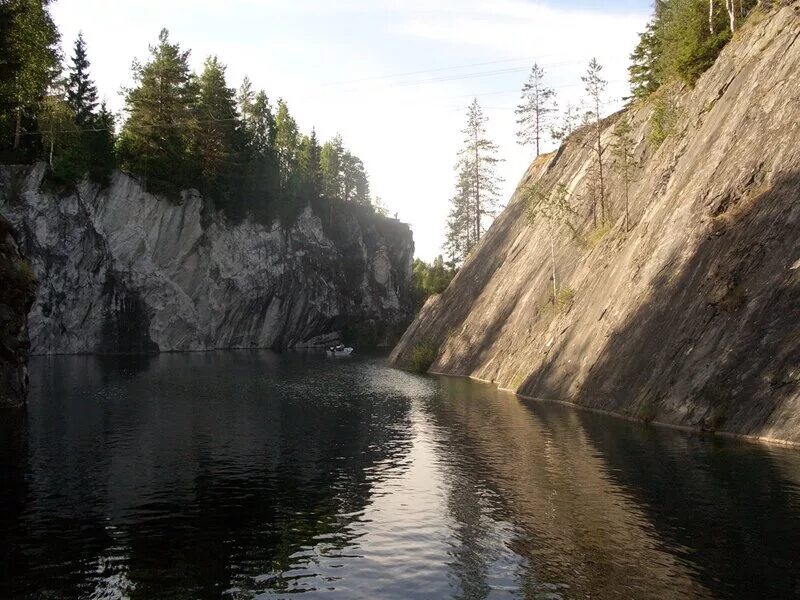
<point>122,270</point>
<point>692,317</point>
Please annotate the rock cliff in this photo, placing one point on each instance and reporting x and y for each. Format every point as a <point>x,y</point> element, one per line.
<point>122,270</point>
<point>17,287</point>
<point>690,318</point>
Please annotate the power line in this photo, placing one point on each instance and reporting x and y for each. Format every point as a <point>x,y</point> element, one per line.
<point>436,70</point>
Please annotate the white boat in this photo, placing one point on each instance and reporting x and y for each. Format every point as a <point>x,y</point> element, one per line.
<point>340,350</point>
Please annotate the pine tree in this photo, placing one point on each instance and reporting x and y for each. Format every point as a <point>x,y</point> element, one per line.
<point>535,112</point>
<point>355,184</point>
<point>459,237</point>
<point>552,205</point>
<point>623,153</point>
<point>477,163</point>
<point>287,138</point>
<point>216,141</point>
<point>567,124</point>
<point>98,144</point>
<point>308,173</point>
<point>81,90</point>
<point>29,61</point>
<point>331,168</point>
<point>155,140</point>
<point>644,73</point>
<point>595,87</point>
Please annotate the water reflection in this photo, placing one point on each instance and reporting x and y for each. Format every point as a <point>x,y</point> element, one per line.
<point>249,474</point>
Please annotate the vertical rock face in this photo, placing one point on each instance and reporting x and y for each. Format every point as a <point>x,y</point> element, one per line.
<point>124,271</point>
<point>693,316</point>
<point>17,287</point>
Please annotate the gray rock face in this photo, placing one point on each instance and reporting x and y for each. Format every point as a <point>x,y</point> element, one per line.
<point>17,287</point>
<point>690,318</point>
<point>124,271</point>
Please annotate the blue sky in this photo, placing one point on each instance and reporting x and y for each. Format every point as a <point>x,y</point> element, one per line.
<point>392,76</point>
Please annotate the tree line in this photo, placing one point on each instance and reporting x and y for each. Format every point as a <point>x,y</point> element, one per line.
<point>180,129</point>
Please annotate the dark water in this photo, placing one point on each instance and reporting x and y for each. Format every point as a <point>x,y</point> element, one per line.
<point>248,474</point>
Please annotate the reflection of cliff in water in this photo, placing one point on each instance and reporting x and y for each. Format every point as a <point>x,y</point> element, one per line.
<point>615,510</point>
<point>239,486</point>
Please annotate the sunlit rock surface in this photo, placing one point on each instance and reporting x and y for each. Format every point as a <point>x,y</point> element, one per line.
<point>693,316</point>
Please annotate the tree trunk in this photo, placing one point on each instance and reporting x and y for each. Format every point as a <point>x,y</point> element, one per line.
<point>731,6</point>
<point>627,218</point>
<point>553,263</point>
<point>477,193</point>
<point>711,17</point>
<point>18,128</point>
<point>600,162</point>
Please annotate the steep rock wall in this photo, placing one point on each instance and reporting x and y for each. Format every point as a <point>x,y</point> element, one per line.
<point>17,287</point>
<point>122,270</point>
<point>690,318</point>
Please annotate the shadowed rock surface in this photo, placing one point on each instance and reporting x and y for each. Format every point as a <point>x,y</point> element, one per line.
<point>122,270</point>
<point>693,316</point>
<point>17,288</point>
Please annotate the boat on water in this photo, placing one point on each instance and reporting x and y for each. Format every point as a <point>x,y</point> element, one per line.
<point>340,350</point>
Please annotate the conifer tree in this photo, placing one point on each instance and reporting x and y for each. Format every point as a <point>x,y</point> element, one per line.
<point>536,110</point>
<point>331,168</point>
<point>477,164</point>
<point>308,172</point>
<point>287,138</point>
<point>623,153</point>
<point>595,86</point>
<point>552,205</point>
<point>459,237</point>
<point>29,61</point>
<point>98,144</point>
<point>155,141</point>
<point>355,184</point>
<point>217,142</point>
<point>81,90</point>
<point>566,125</point>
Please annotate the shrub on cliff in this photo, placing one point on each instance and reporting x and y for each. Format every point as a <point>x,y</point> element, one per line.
<point>422,356</point>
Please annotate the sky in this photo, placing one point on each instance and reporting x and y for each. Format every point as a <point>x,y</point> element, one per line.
<point>393,77</point>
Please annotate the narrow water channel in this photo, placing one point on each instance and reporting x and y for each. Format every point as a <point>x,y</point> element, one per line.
<point>252,474</point>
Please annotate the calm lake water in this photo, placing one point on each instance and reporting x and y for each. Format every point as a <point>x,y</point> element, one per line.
<point>251,474</point>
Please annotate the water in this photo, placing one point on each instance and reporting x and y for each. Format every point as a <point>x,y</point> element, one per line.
<point>249,474</point>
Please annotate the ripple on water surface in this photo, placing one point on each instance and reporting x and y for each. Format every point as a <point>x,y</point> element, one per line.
<point>251,474</point>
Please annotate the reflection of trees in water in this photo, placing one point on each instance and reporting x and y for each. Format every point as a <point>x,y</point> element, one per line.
<point>134,488</point>
<point>577,525</point>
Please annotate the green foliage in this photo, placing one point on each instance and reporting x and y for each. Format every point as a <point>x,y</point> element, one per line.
<point>477,188</point>
<point>429,279</point>
<point>565,298</point>
<point>423,356</point>
<point>81,91</point>
<point>597,234</point>
<point>28,64</point>
<point>156,139</point>
<point>622,149</point>
<point>663,118</point>
<point>682,40</point>
<point>648,411</point>
<point>182,130</point>
<point>217,141</point>
<point>535,112</point>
